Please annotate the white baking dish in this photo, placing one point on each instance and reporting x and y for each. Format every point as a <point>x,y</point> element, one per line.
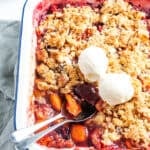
<point>24,116</point>
<point>26,65</point>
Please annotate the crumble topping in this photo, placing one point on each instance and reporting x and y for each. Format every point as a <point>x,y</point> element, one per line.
<point>122,32</point>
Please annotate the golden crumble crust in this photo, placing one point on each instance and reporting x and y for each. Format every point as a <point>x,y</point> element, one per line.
<point>124,37</point>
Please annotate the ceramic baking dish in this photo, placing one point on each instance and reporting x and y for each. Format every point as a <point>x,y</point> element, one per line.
<point>32,11</point>
<point>25,68</point>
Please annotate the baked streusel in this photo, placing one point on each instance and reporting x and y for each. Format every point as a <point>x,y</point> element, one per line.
<point>121,30</point>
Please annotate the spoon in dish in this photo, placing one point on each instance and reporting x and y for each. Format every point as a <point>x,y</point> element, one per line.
<point>23,138</point>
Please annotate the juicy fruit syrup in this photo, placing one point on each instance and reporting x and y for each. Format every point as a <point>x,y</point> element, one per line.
<point>87,92</point>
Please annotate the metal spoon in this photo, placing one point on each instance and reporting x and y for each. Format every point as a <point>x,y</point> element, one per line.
<point>23,138</point>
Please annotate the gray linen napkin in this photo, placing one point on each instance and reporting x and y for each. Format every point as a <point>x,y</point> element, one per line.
<point>9,34</point>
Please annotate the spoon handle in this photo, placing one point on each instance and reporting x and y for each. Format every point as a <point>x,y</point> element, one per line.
<point>24,144</point>
<point>22,134</point>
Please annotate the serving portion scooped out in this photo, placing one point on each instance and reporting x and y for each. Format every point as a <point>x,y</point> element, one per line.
<point>98,53</point>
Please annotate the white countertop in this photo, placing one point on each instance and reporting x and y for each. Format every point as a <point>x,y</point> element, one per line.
<point>11,9</point>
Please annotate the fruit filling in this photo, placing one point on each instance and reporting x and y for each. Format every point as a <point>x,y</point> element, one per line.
<point>121,31</point>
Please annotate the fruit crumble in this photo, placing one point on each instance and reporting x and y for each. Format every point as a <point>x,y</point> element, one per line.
<point>121,30</point>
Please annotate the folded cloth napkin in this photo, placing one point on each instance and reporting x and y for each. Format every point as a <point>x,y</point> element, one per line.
<point>9,34</point>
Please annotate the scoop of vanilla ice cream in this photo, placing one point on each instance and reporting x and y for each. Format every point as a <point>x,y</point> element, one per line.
<point>116,88</point>
<point>93,63</point>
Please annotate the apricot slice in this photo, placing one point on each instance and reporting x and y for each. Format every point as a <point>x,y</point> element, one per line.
<point>79,133</point>
<point>55,101</point>
<point>72,106</point>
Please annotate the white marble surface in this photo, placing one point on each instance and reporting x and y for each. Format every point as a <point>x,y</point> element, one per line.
<point>11,9</point>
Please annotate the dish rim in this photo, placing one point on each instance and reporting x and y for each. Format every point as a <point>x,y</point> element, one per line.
<point>18,64</point>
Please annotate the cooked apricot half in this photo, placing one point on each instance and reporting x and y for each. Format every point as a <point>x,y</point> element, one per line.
<point>72,106</point>
<point>55,101</point>
<point>79,133</point>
